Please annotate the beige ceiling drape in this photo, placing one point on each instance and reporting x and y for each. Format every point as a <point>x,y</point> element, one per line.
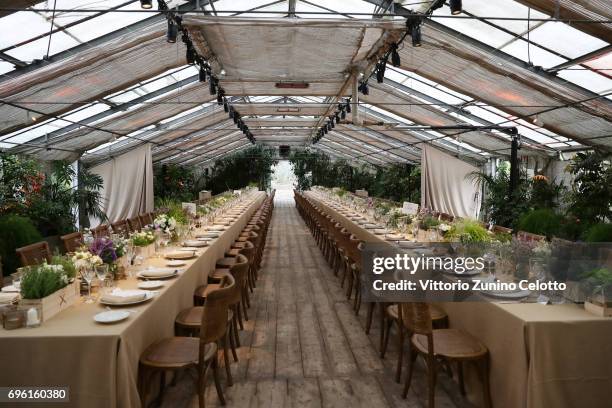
<point>446,185</point>
<point>128,184</point>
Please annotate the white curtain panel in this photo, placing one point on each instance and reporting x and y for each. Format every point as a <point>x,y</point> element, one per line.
<point>446,185</point>
<point>128,184</point>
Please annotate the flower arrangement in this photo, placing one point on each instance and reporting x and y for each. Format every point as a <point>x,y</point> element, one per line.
<point>67,263</point>
<point>444,228</point>
<point>85,259</point>
<point>142,238</point>
<point>165,223</point>
<point>107,249</point>
<point>43,280</point>
<point>429,222</point>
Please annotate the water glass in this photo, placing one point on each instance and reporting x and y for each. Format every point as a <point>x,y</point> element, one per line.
<point>88,274</point>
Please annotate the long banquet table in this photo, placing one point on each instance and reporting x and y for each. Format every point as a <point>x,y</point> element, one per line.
<point>541,356</point>
<point>100,362</point>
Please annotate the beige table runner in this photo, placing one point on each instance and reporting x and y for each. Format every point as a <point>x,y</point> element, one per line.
<point>542,356</point>
<point>100,362</point>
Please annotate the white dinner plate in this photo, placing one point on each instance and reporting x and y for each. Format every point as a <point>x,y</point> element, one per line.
<point>176,262</point>
<point>380,231</point>
<point>217,228</point>
<point>170,273</point>
<point>393,237</point>
<point>505,294</point>
<point>181,254</point>
<point>148,285</point>
<point>111,316</point>
<point>195,243</point>
<point>209,235</point>
<point>148,296</point>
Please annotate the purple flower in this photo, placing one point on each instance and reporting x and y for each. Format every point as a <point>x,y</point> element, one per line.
<point>105,249</point>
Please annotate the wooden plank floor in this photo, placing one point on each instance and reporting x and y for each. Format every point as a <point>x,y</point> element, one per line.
<point>303,345</point>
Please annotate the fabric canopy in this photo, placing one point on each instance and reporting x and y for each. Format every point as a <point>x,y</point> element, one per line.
<point>128,185</point>
<point>446,185</point>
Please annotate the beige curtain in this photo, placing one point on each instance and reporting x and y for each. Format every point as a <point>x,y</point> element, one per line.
<point>446,186</point>
<point>128,184</point>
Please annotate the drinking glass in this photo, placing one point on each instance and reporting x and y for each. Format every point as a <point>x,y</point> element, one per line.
<point>88,275</point>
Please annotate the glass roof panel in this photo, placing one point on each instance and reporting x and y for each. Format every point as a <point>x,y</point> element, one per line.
<point>38,49</point>
<point>499,8</point>
<point>587,79</point>
<point>529,52</point>
<point>602,63</point>
<point>11,29</point>
<point>565,40</point>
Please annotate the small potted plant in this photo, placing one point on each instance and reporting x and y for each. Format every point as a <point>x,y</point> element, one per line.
<point>50,288</point>
<point>598,283</point>
<point>144,243</point>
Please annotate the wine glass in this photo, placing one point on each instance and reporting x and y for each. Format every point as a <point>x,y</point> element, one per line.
<point>88,274</point>
<point>490,258</point>
<point>102,274</point>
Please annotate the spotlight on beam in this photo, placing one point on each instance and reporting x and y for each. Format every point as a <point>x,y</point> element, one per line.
<point>202,75</point>
<point>395,58</point>
<point>455,6</point>
<point>146,4</point>
<point>172,32</point>
<point>190,56</point>
<point>416,35</point>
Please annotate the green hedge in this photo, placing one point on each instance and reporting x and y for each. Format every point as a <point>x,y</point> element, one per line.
<point>15,232</point>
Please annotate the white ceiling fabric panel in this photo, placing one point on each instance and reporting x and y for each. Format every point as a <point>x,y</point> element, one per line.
<point>91,74</point>
<point>289,49</point>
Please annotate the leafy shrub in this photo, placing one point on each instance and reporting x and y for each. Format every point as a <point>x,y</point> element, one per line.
<point>15,232</point>
<point>542,222</point>
<point>599,233</point>
<point>468,231</point>
<point>429,222</point>
<point>43,280</point>
<point>67,263</point>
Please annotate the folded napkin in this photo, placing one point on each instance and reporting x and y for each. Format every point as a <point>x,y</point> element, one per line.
<point>124,296</point>
<point>151,273</point>
<point>7,298</point>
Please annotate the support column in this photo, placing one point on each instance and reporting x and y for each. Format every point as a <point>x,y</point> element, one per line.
<point>514,167</point>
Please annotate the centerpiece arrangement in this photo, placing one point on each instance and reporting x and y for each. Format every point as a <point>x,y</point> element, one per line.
<point>47,289</point>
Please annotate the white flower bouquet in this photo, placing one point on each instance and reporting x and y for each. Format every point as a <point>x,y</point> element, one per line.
<point>165,223</point>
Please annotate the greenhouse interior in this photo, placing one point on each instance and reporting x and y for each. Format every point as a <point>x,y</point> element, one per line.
<point>306,203</point>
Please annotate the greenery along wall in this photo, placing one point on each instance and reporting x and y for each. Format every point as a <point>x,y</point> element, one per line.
<point>398,182</point>
<point>582,210</point>
<point>38,200</point>
<point>251,166</point>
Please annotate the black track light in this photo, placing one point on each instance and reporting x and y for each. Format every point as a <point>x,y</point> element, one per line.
<point>348,107</point>
<point>343,114</point>
<point>212,87</point>
<point>329,127</point>
<point>172,32</point>
<point>363,88</point>
<point>235,117</point>
<point>338,118</point>
<point>380,71</point>
<point>395,58</point>
<point>225,105</point>
<point>455,6</point>
<point>231,112</point>
<point>190,55</point>
<point>202,75</point>
<point>325,130</point>
<point>146,4</point>
<point>416,35</point>
<point>220,97</point>
<point>331,122</point>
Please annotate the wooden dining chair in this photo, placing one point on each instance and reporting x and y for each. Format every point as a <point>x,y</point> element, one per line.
<point>498,229</point>
<point>101,231</point>
<point>145,219</point>
<point>441,346</point>
<point>439,320</point>
<point>529,237</point>
<point>73,241</point>
<point>135,224</point>
<point>121,227</point>
<point>34,254</point>
<point>200,353</point>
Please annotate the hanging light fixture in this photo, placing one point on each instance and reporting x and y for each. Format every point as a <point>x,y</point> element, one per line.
<point>225,105</point>
<point>395,58</point>
<point>190,56</point>
<point>202,75</point>
<point>220,97</point>
<point>172,32</point>
<point>212,86</point>
<point>455,6</point>
<point>416,35</point>
<point>380,71</point>
<point>331,122</point>
<point>343,114</point>
<point>348,106</point>
<point>146,4</point>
